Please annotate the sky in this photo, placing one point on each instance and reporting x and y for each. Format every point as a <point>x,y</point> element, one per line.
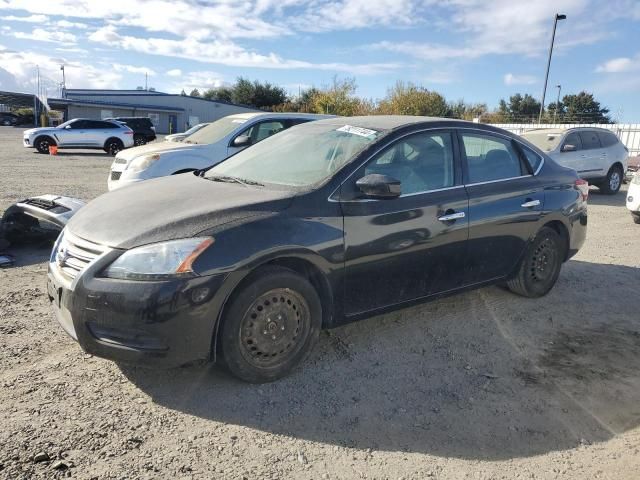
<point>476,50</point>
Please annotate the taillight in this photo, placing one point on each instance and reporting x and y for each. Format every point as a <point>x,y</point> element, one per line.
<point>583,187</point>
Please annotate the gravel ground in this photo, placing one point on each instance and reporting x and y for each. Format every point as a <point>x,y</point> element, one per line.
<point>482,385</point>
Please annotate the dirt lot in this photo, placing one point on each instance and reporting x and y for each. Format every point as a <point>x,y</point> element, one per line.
<point>481,385</point>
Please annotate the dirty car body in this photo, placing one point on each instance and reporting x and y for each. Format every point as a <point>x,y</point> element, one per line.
<point>446,229</point>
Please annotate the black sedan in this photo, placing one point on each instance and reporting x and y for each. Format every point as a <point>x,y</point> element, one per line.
<point>325,223</point>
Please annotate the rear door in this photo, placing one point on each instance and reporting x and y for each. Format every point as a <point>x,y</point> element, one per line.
<point>404,248</point>
<point>505,203</point>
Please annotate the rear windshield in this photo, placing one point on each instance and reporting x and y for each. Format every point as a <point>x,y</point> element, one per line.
<point>545,141</point>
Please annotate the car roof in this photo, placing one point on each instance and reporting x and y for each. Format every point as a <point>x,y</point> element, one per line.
<point>252,115</point>
<point>394,122</point>
<point>560,131</point>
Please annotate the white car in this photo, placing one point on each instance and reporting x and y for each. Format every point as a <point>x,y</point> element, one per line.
<point>213,144</point>
<point>178,137</point>
<point>84,133</point>
<point>596,154</point>
<point>633,198</point>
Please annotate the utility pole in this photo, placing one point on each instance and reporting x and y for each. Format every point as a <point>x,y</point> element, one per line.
<point>546,77</point>
<point>64,82</point>
<point>559,87</point>
<point>146,77</point>
<point>37,99</point>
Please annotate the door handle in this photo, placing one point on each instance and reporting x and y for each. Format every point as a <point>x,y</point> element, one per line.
<point>530,203</point>
<point>451,217</point>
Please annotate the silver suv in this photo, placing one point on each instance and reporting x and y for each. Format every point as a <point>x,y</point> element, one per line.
<point>597,154</point>
<point>107,135</point>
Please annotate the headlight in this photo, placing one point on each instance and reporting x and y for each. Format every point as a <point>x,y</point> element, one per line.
<point>139,164</point>
<point>158,261</point>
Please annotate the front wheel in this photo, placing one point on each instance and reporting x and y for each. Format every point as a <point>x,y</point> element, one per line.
<point>636,218</point>
<point>113,146</point>
<point>612,183</point>
<point>270,325</point>
<point>541,265</point>
<point>42,144</point>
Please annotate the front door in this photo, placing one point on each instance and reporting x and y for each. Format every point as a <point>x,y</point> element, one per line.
<point>75,134</point>
<point>414,245</point>
<point>505,204</point>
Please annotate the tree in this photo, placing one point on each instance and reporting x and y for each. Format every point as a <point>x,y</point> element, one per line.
<point>584,108</point>
<point>466,111</point>
<point>256,94</point>
<point>338,98</point>
<point>223,94</point>
<point>520,108</point>
<point>409,99</point>
<point>194,93</point>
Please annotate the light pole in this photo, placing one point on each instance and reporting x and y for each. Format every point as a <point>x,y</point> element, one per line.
<point>64,83</point>
<point>559,87</point>
<point>546,77</point>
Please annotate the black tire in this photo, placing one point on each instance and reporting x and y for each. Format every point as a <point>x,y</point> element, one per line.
<point>636,218</point>
<point>540,266</point>
<point>611,185</point>
<point>270,325</point>
<point>139,140</point>
<point>42,144</point>
<point>113,146</point>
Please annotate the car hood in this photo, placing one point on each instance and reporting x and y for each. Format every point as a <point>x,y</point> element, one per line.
<point>162,147</point>
<point>170,208</point>
<point>41,130</point>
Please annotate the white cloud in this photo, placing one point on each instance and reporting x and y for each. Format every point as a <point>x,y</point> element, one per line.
<point>222,52</point>
<point>119,67</point>
<point>202,80</point>
<point>29,19</point>
<point>620,65</point>
<point>511,79</point>
<point>176,72</point>
<point>42,35</point>
<point>67,24</point>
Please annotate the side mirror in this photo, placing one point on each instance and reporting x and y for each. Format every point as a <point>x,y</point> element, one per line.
<point>242,141</point>
<point>379,186</point>
<point>567,147</point>
<point>68,127</point>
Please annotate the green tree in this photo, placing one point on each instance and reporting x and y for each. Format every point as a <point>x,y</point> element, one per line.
<point>466,111</point>
<point>194,93</point>
<point>584,108</point>
<point>337,99</point>
<point>520,108</point>
<point>410,99</point>
<point>223,94</point>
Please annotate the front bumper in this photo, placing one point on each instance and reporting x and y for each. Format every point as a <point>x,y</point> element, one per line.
<point>113,183</point>
<point>26,142</point>
<point>164,324</point>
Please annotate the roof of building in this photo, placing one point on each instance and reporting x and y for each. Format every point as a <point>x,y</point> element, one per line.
<point>53,102</point>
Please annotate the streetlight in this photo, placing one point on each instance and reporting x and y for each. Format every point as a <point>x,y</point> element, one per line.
<point>64,83</point>
<point>546,78</point>
<point>559,87</point>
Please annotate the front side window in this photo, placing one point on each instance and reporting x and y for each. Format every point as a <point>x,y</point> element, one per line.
<point>78,124</point>
<point>590,140</point>
<point>421,162</point>
<point>574,140</point>
<point>298,157</point>
<point>490,158</point>
<point>216,131</point>
<point>262,130</point>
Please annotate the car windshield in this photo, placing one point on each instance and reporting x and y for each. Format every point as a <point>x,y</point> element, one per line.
<point>301,156</point>
<point>195,128</point>
<point>545,141</point>
<point>216,131</point>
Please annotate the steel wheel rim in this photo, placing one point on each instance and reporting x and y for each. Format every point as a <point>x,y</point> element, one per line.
<point>614,181</point>
<point>274,328</point>
<point>44,144</point>
<point>139,142</point>
<point>543,262</point>
<point>114,148</point>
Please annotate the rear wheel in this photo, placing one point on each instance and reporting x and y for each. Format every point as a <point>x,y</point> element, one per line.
<point>611,185</point>
<point>113,146</point>
<point>42,144</point>
<point>139,140</point>
<point>270,325</point>
<point>541,265</point>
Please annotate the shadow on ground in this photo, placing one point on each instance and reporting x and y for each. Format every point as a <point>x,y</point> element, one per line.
<point>483,375</point>
<point>598,198</point>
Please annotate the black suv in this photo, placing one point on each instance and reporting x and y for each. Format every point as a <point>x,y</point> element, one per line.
<point>143,129</point>
<point>8,119</point>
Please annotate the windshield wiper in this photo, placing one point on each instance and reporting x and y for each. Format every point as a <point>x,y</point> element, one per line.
<point>229,179</point>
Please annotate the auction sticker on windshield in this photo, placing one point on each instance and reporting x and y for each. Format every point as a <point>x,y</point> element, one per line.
<point>363,132</point>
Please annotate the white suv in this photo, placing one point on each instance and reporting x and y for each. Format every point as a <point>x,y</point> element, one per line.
<point>596,154</point>
<point>204,148</point>
<point>107,135</point>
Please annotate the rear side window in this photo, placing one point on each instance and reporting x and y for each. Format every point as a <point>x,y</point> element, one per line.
<point>607,139</point>
<point>533,159</point>
<point>490,158</point>
<point>590,140</point>
<point>573,139</point>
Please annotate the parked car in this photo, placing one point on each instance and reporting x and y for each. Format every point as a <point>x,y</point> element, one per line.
<point>633,166</point>
<point>322,224</point>
<point>206,147</point>
<point>633,197</point>
<point>143,129</point>
<point>178,137</point>
<point>8,119</point>
<point>107,135</point>
<point>596,154</point>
